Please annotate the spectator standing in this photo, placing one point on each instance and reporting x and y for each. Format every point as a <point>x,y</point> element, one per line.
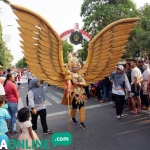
<point>136,78</point>
<point>140,65</point>
<point>146,76</point>
<point>12,97</point>
<point>128,74</point>
<point>36,97</point>
<point>98,88</point>
<point>4,115</point>
<point>120,82</point>
<point>30,76</point>
<point>106,89</point>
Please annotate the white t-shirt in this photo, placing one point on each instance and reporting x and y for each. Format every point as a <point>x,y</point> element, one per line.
<point>25,125</point>
<point>135,73</point>
<point>2,91</point>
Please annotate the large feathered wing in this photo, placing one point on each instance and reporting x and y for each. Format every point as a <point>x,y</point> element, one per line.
<point>106,48</point>
<point>42,46</point>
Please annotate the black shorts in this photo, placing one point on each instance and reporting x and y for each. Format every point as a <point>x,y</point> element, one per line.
<point>135,89</point>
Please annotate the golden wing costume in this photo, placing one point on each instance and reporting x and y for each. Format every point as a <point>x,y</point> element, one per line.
<point>42,48</point>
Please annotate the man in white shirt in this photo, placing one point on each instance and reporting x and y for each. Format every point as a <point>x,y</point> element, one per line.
<point>136,78</point>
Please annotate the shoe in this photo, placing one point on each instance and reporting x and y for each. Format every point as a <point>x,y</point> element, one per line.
<point>82,125</point>
<point>118,117</point>
<point>35,130</point>
<point>101,101</point>
<point>48,132</point>
<point>122,116</point>
<point>14,132</point>
<point>74,121</point>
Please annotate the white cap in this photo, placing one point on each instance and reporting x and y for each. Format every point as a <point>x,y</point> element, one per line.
<point>2,91</point>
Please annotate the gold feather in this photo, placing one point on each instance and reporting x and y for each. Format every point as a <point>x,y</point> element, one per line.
<point>106,49</point>
<point>42,46</point>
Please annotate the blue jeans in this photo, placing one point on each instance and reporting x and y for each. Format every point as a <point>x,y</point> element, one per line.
<point>106,92</point>
<point>12,109</point>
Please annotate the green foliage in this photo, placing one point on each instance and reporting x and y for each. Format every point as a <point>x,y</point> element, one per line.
<point>21,63</point>
<point>82,53</point>
<point>5,55</point>
<point>97,14</point>
<point>140,39</point>
<point>67,48</point>
<point>6,1</point>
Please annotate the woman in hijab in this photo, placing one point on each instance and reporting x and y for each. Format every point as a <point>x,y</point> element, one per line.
<point>145,75</point>
<point>36,98</point>
<point>120,82</point>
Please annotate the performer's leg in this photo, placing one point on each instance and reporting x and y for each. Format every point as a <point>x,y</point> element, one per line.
<point>82,115</point>
<point>73,111</point>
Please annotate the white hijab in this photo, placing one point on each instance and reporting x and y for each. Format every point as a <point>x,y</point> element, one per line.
<point>2,91</point>
<point>146,72</point>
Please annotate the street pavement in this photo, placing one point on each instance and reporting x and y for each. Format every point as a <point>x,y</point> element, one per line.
<point>104,131</point>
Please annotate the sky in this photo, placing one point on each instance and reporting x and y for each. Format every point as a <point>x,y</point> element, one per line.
<point>61,14</point>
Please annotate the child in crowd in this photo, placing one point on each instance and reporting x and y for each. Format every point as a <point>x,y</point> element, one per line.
<point>4,115</point>
<point>26,127</point>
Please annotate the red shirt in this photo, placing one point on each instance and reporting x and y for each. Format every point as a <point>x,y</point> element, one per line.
<point>11,91</point>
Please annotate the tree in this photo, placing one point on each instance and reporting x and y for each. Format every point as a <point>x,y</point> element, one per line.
<point>82,53</point>
<point>97,14</point>
<point>67,48</point>
<point>5,55</point>
<point>141,35</point>
<point>21,63</point>
<point>6,1</point>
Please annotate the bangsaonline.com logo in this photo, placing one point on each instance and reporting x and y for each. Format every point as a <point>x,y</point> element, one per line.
<point>62,138</point>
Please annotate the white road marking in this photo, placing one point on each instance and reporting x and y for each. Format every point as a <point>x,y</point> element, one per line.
<point>60,94</point>
<point>20,103</point>
<point>87,107</point>
<point>54,98</point>
<point>47,103</point>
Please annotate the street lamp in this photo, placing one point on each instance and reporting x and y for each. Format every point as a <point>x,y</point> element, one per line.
<point>6,37</point>
<point>137,53</point>
<point>6,26</point>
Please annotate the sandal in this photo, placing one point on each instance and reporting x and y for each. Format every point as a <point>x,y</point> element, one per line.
<point>16,131</point>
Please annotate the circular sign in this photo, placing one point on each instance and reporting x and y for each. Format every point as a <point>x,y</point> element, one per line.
<point>76,38</point>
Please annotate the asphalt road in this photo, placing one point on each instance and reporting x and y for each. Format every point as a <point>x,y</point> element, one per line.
<point>104,131</point>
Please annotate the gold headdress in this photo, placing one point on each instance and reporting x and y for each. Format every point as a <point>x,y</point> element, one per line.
<point>73,61</point>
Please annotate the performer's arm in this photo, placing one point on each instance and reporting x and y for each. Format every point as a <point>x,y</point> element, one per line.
<point>82,82</point>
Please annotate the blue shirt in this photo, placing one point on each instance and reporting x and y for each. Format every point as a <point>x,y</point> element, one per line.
<point>4,115</point>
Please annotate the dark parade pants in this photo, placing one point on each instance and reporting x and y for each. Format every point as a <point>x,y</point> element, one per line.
<point>80,106</point>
